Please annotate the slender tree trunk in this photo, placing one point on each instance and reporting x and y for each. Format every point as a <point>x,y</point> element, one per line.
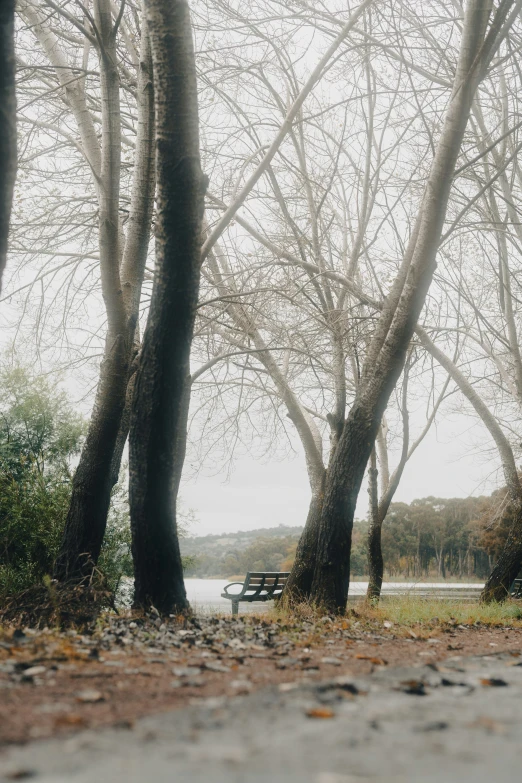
<point>375,559</point>
<point>8,156</point>
<point>100,460</point>
<point>387,351</point>
<point>160,404</point>
<point>94,477</point>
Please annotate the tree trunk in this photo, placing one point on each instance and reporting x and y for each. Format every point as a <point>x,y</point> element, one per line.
<point>8,156</point>
<point>375,559</point>
<point>100,460</point>
<point>508,566</point>
<point>387,350</point>
<point>299,583</point>
<point>160,405</point>
<point>94,477</point>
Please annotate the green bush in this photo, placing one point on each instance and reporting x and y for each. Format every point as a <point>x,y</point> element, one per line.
<point>39,436</point>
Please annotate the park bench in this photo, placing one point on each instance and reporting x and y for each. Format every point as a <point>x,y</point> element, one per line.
<point>258,586</point>
<point>516,588</point>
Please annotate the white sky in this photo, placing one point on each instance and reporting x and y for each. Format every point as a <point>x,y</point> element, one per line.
<point>267,494</point>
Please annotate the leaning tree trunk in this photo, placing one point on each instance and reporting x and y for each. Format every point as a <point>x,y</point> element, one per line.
<point>160,404</point>
<point>387,350</point>
<point>100,460</point>
<point>7,124</point>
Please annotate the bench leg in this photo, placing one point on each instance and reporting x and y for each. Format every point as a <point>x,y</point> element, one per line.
<point>235,608</point>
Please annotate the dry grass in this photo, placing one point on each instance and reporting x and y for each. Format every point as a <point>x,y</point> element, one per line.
<point>69,605</point>
<point>407,613</point>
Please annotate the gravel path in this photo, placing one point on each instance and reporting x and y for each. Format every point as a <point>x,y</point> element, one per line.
<point>456,721</point>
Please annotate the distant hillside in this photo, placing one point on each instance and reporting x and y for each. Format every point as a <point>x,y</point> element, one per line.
<point>231,554</point>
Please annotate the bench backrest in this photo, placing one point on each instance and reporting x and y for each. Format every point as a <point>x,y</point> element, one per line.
<point>265,584</point>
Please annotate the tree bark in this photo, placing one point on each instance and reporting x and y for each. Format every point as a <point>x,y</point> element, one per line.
<point>508,565</point>
<point>299,583</point>
<point>160,405</point>
<point>375,558</point>
<point>99,464</point>
<point>387,351</point>
<point>8,156</point>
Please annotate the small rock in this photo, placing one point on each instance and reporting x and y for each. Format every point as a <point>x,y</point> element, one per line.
<point>194,682</point>
<point>216,667</point>
<point>33,671</point>
<point>241,686</point>
<point>285,687</point>
<point>89,696</point>
<point>186,671</point>
<point>387,624</point>
<point>331,661</point>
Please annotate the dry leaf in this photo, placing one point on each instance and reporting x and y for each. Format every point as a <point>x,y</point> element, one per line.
<point>70,719</point>
<point>320,712</point>
<point>375,661</point>
<point>493,682</point>
<point>492,726</point>
<point>414,687</point>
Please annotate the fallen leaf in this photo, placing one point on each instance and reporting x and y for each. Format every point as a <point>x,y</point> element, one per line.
<point>375,661</point>
<point>493,682</point>
<point>491,726</point>
<point>414,687</point>
<point>320,712</point>
<point>70,719</point>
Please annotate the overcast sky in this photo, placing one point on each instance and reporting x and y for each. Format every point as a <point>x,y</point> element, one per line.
<point>448,463</point>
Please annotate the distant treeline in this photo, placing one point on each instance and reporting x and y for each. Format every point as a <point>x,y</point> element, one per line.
<point>431,537</point>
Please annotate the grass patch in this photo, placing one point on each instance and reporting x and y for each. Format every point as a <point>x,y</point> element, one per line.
<point>408,611</point>
<point>404,612</point>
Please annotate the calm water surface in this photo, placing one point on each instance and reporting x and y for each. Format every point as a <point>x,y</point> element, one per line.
<point>205,594</point>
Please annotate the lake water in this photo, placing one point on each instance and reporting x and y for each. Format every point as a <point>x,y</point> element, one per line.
<point>205,594</point>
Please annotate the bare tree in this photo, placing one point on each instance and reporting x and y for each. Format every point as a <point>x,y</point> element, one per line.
<point>386,354</point>
<point>161,397</point>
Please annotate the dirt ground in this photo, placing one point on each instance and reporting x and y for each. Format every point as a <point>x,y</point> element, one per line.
<point>56,683</point>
